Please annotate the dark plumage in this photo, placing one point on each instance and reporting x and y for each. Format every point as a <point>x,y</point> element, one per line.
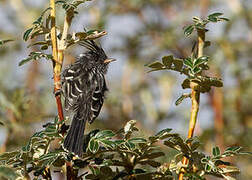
<point>84,86</point>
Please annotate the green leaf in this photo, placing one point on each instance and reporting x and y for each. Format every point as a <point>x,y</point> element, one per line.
<point>2,42</point>
<point>91,176</point>
<point>137,140</point>
<point>245,153</point>
<point>156,65</point>
<point>200,60</point>
<point>151,163</point>
<point>94,169</point>
<point>186,83</point>
<point>119,141</point>
<point>40,31</point>
<point>188,30</point>
<point>44,47</point>
<point>27,34</point>
<point>196,19</point>
<point>163,136</point>
<point>94,34</point>
<point>167,61</point>
<point>195,145</point>
<point>162,132</point>
<point>81,35</point>
<point>49,158</point>
<point>35,56</point>
<point>196,70</point>
<point>212,19</point>
<point>8,155</point>
<point>93,146</point>
<point>38,43</point>
<point>181,98</point>
<point>208,168</point>
<point>200,26</point>
<point>8,173</point>
<point>172,145</point>
<point>228,177</point>
<point>207,82</point>
<point>215,14</point>
<point>216,151</point>
<point>233,149</point>
<point>207,43</point>
<point>178,64</point>
<point>24,61</point>
<point>93,31</point>
<point>108,143</point>
<point>38,21</point>
<point>225,19</point>
<point>106,134</point>
<point>130,145</point>
<point>204,160</point>
<point>60,1</point>
<point>230,169</point>
<point>188,62</point>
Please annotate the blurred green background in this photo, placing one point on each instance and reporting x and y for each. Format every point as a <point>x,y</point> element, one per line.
<point>139,31</point>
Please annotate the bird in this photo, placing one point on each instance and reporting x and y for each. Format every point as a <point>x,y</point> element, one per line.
<point>84,87</point>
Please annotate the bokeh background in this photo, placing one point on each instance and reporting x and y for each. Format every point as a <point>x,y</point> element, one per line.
<point>139,31</point>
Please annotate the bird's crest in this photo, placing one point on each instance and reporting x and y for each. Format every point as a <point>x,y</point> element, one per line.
<point>90,45</point>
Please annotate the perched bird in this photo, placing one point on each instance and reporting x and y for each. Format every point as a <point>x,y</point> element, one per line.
<point>84,86</point>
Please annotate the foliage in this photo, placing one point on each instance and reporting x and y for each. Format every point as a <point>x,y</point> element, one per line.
<point>2,42</point>
<point>135,157</point>
<point>131,154</point>
<point>41,29</point>
<point>192,66</point>
<point>201,23</point>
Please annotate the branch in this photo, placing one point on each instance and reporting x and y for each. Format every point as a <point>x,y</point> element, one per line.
<point>67,23</point>
<point>195,98</point>
<point>71,173</point>
<point>56,63</point>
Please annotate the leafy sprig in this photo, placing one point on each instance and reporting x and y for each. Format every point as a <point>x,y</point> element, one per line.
<point>199,23</point>
<point>192,66</point>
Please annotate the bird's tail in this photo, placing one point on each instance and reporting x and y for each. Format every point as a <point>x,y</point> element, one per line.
<point>74,140</point>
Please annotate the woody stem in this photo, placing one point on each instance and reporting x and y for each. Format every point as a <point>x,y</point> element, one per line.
<point>195,98</point>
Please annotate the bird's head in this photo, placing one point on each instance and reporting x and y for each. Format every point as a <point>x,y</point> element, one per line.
<point>95,57</point>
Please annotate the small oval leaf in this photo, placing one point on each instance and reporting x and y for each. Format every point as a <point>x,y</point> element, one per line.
<point>156,65</point>
<point>216,151</point>
<point>167,61</point>
<point>188,30</point>
<point>104,134</point>
<point>27,34</point>
<point>93,146</point>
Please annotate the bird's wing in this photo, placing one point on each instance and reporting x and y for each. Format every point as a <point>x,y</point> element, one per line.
<point>74,85</point>
<point>80,88</point>
<point>98,97</point>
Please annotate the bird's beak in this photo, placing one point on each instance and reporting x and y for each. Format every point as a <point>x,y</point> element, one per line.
<point>109,60</point>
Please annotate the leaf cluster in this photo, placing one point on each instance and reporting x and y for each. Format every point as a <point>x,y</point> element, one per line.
<point>133,156</point>
<point>69,6</point>
<point>35,156</point>
<point>41,29</point>
<point>192,67</point>
<point>2,42</point>
<point>199,23</point>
